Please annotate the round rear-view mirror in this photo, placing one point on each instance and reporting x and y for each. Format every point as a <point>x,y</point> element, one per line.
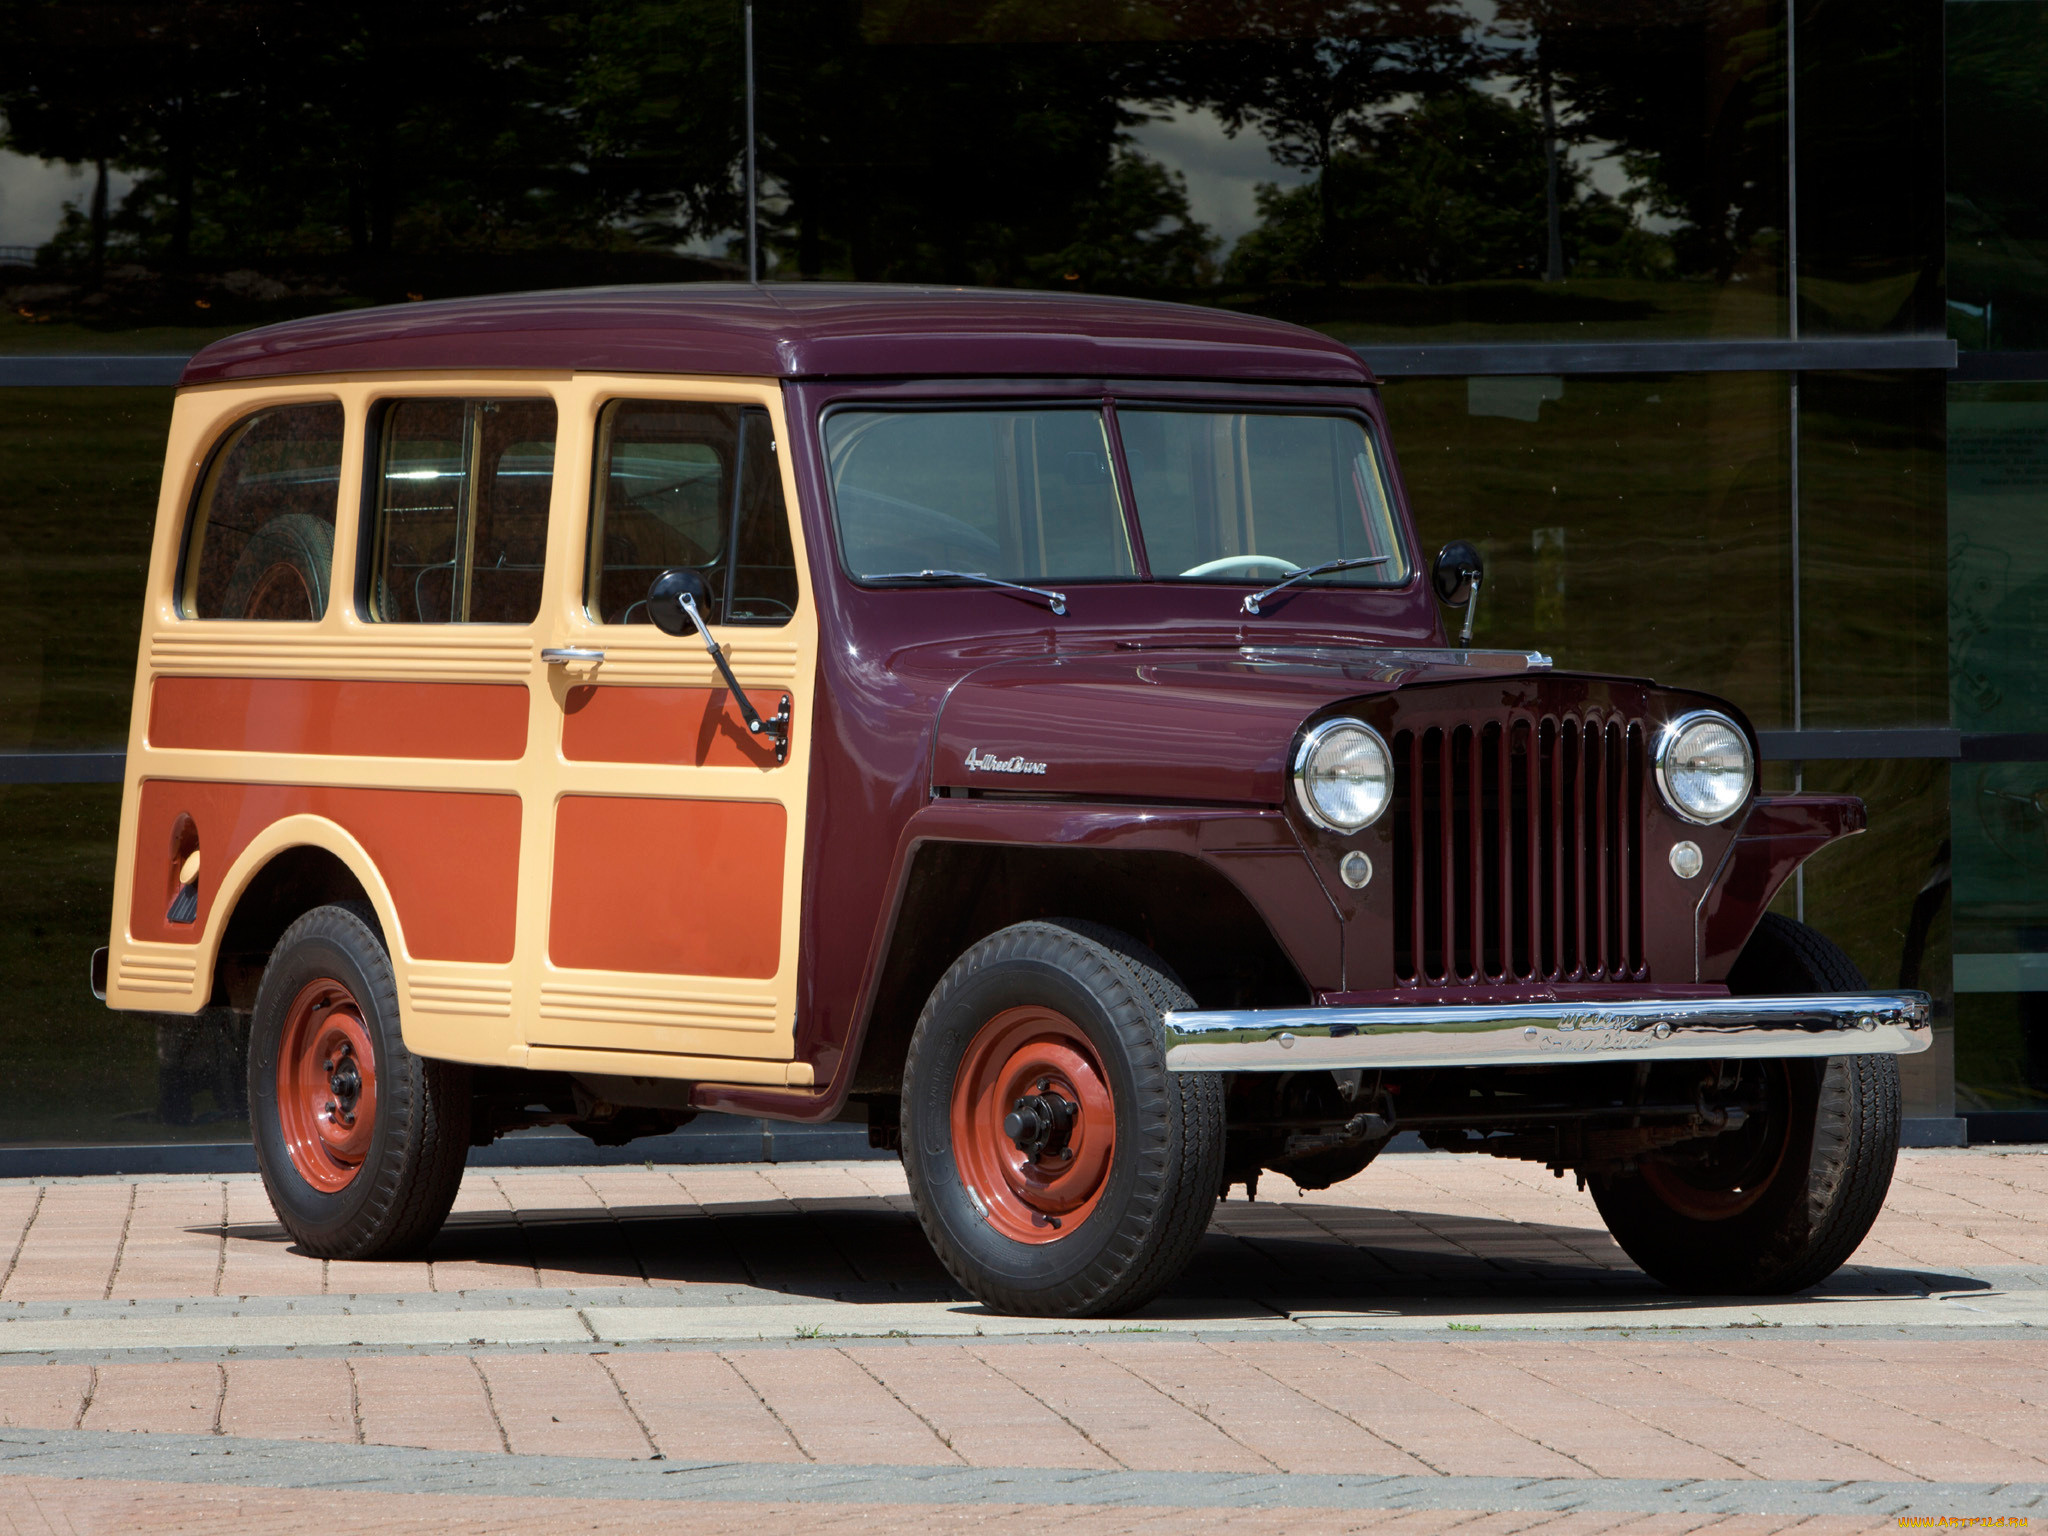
<point>665,600</point>
<point>1458,567</point>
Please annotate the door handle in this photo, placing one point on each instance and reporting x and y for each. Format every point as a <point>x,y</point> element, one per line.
<point>571,655</point>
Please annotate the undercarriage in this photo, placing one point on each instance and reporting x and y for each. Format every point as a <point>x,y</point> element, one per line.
<point>1321,1127</point>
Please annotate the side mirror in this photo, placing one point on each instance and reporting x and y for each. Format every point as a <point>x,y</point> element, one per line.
<point>1458,573</point>
<point>665,606</point>
<point>665,600</point>
<point>1456,577</point>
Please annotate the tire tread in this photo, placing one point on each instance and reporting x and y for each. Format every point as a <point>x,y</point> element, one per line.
<point>424,1102</point>
<point>1169,1209</point>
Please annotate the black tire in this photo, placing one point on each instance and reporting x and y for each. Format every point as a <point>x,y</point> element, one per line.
<point>1813,1171</point>
<point>412,1163</point>
<point>1161,1178</point>
<point>282,573</point>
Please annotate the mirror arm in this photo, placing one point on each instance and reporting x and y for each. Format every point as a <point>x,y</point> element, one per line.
<point>776,726</point>
<point>1471,608</point>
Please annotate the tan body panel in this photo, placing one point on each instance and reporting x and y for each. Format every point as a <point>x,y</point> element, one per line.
<point>661,1021</point>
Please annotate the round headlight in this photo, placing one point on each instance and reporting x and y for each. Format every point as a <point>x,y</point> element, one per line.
<point>1343,775</point>
<point>1703,767</point>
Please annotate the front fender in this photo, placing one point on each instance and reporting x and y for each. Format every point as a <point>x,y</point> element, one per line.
<point>1254,850</point>
<point>1780,833</point>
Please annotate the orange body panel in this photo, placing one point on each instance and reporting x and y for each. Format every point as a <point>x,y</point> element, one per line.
<point>702,727</point>
<point>450,859</point>
<point>339,716</point>
<point>685,887</point>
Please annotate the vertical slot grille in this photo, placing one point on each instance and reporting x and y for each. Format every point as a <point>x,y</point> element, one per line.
<point>1518,851</point>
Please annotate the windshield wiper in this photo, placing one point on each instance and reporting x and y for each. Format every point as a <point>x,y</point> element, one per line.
<point>1253,599</point>
<point>1057,601</point>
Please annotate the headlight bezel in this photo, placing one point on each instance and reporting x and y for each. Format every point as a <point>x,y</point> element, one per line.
<point>1314,738</point>
<point>1667,742</point>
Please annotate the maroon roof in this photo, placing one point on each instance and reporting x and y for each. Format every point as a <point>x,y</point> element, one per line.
<point>792,330</point>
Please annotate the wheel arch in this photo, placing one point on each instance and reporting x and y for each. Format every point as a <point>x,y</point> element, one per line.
<point>1185,909</point>
<point>294,865</point>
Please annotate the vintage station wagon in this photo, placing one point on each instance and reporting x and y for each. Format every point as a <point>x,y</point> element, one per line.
<point>1024,723</point>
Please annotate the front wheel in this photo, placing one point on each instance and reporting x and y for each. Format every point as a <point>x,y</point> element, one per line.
<point>1057,1167</point>
<point>1781,1203</point>
<point>361,1143</point>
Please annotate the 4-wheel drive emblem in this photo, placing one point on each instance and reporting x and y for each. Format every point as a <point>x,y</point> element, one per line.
<point>979,761</point>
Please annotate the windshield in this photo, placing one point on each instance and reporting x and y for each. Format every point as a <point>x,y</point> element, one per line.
<point>1254,497</point>
<point>1025,495</point>
<point>1028,494</point>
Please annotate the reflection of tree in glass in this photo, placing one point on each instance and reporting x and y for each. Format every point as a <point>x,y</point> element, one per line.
<point>1441,149</point>
<point>1451,191</point>
<point>1691,95</point>
<point>969,142</point>
<point>1307,75</point>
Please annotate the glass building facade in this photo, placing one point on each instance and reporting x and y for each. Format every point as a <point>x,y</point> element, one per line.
<point>1720,325</point>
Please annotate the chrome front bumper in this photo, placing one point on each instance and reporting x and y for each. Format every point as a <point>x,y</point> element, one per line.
<point>1519,1034</point>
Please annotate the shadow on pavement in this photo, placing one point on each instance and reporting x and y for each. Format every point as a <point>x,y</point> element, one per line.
<point>1262,1249</point>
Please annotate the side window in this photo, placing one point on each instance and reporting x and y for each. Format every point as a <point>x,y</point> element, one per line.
<point>261,541</point>
<point>460,517</point>
<point>689,485</point>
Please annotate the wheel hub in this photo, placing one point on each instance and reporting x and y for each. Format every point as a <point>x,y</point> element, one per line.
<point>345,1082</point>
<point>1041,1124</point>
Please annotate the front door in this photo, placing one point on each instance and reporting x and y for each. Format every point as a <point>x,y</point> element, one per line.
<point>672,884</point>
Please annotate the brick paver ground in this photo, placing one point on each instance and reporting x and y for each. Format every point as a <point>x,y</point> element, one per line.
<point>49,1507</point>
<point>1885,1405</point>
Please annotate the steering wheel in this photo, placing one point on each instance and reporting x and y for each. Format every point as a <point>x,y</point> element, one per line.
<point>1248,567</point>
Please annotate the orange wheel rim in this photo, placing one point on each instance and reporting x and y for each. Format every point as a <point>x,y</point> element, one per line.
<point>1743,1188</point>
<point>1028,1191</point>
<point>326,1085</point>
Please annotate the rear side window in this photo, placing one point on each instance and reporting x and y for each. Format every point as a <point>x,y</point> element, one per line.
<point>460,516</point>
<point>261,544</point>
<point>696,486</point>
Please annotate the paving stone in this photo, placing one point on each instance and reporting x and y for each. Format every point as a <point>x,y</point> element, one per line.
<point>1441,1433</point>
<point>1133,1422</point>
<point>43,1396</point>
<point>1599,1438</point>
<point>438,1402</point>
<point>697,1406</point>
<point>839,1412</point>
<point>70,1247</point>
<point>304,1399</point>
<point>986,1419</point>
<point>163,1397</point>
<point>1258,1410</point>
<point>174,1241</point>
<point>562,1405</point>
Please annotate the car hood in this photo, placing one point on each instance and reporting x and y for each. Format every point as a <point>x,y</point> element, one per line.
<point>1182,725</point>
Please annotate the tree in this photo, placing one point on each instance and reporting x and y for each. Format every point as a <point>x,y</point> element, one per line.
<point>97,85</point>
<point>1310,76</point>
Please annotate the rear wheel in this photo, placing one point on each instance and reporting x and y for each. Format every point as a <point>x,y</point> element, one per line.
<point>1781,1203</point>
<point>1056,1165</point>
<point>361,1143</point>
